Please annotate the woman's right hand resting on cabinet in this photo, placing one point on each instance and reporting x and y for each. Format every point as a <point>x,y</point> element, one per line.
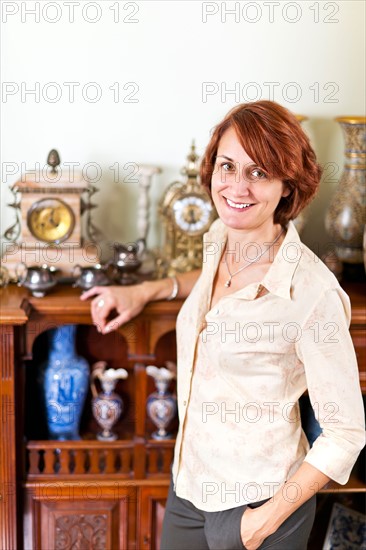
<point>129,301</point>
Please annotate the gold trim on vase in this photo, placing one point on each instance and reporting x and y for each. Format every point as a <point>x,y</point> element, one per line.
<point>301,118</point>
<point>355,166</point>
<point>351,119</point>
<point>355,155</point>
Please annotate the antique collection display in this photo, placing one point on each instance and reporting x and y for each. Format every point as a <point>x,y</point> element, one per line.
<point>107,406</point>
<point>346,216</point>
<point>48,206</point>
<point>187,212</point>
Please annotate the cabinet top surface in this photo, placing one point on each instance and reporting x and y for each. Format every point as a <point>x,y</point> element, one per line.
<point>17,305</point>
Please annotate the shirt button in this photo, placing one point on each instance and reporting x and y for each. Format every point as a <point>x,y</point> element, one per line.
<point>184,403</point>
<point>217,311</point>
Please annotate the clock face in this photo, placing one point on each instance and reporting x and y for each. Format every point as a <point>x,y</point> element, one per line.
<point>192,214</point>
<point>51,220</point>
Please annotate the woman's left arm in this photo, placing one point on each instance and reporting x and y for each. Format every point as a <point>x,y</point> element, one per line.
<point>327,353</point>
<point>258,523</point>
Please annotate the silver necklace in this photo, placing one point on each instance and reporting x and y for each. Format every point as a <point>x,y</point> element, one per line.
<point>231,275</point>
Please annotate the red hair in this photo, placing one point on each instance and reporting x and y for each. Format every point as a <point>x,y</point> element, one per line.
<point>273,138</point>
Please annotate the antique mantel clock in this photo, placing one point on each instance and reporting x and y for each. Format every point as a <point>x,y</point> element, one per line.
<point>187,212</point>
<point>49,208</point>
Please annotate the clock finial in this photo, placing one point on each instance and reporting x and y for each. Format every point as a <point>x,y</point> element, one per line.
<point>191,168</point>
<point>53,160</point>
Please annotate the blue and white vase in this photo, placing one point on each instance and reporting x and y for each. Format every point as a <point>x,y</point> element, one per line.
<point>65,381</point>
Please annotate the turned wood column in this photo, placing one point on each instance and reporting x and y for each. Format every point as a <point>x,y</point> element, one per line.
<point>12,315</point>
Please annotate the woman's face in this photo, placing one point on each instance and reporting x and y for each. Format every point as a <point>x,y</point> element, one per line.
<point>243,195</point>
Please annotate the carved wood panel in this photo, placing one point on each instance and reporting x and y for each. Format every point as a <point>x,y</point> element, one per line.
<point>81,524</point>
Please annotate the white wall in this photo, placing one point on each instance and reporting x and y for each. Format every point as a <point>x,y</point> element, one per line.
<point>170,52</point>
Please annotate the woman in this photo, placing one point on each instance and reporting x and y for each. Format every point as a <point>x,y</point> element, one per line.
<point>264,321</point>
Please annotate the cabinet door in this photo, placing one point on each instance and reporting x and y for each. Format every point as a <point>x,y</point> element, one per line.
<point>150,516</point>
<point>67,523</point>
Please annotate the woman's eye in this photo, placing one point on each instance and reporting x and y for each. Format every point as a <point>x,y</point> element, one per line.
<point>227,166</point>
<point>257,173</point>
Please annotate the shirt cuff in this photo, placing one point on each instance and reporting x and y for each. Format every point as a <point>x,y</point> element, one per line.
<point>334,461</point>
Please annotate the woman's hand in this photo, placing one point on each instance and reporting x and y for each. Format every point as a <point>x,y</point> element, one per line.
<point>128,301</point>
<point>255,527</point>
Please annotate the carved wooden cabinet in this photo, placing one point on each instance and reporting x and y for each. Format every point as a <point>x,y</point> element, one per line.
<point>88,493</point>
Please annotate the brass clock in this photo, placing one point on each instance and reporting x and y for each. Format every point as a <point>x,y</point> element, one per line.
<point>187,211</point>
<point>192,214</point>
<point>51,220</point>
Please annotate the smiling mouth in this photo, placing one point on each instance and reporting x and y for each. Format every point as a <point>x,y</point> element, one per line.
<point>238,205</point>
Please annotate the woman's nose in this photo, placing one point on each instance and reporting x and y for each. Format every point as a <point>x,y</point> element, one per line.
<point>241,184</point>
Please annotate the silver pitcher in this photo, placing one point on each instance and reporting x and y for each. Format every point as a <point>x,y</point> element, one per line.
<point>38,279</point>
<point>89,276</point>
<point>127,261</point>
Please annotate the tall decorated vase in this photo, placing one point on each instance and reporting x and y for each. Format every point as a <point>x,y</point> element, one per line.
<point>346,215</point>
<point>65,382</point>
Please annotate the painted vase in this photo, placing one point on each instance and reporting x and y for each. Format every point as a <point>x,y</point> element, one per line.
<point>161,405</point>
<point>65,381</point>
<point>346,215</point>
<point>107,406</point>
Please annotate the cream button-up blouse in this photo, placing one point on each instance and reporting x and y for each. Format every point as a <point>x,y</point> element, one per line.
<point>242,367</point>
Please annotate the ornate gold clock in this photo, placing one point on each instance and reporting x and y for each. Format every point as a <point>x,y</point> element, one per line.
<point>49,207</point>
<point>187,212</point>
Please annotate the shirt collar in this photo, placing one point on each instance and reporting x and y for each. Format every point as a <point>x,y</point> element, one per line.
<point>278,279</point>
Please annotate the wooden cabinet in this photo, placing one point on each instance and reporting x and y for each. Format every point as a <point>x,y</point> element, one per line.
<point>150,516</point>
<point>87,493</point>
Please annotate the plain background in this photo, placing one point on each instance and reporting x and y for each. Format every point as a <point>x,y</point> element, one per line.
<point>149,76</point>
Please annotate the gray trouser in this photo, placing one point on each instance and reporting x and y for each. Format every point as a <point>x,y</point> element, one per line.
<point>186,527</point>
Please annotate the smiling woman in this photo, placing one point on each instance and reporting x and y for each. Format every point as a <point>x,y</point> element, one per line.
<point>248,480</point>
<point>275,147</point>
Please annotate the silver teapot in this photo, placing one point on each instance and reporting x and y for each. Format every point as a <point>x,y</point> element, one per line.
<point>127,261</point>
<point>38,279</point>
<point>89,276</point>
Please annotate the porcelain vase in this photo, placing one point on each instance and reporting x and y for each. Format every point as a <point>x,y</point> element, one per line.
<point>161,405</point>
<point>107,406</point>
<point>65,381</point>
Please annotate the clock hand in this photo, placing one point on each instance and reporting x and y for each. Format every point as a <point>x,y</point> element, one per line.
<point>51,220</point>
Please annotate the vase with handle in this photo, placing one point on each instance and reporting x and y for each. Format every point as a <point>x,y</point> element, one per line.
<point>161,405</point>
<point>107,406</point>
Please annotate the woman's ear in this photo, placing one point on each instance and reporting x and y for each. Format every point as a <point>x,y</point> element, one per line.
<point>286,190</point>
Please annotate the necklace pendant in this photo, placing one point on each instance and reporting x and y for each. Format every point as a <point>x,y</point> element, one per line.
<point>228,283</point>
